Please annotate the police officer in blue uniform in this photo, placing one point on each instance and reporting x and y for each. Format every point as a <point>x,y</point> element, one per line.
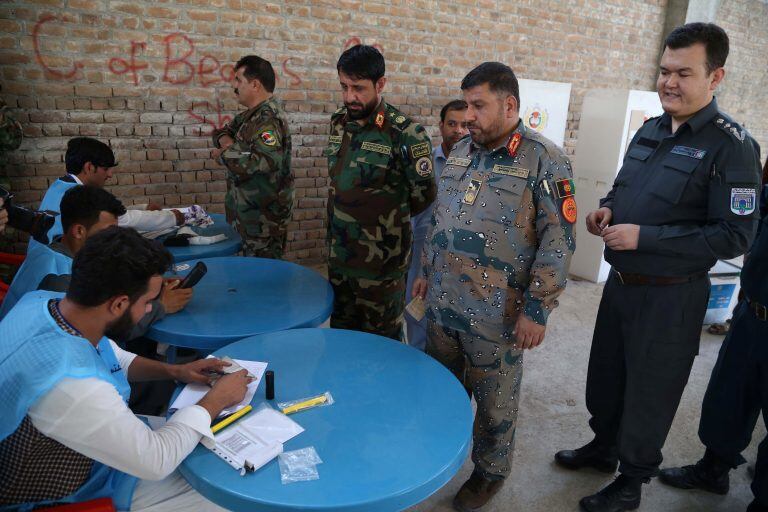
<point>685,197</point>
<point>738,387</point>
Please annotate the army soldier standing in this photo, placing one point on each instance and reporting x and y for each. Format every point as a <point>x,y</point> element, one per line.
<point>380,166</point>
<point>495,262</point>
<point>684,198</point>
<point>256,148</point>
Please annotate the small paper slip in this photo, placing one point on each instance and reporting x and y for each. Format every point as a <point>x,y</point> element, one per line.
<point>415,308</point>
<point>255,440</point>
<point>193,393</point>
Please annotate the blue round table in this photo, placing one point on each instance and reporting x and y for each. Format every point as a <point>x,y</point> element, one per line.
<point>243,296</point>
<point>228,247</point>
<point>399,429</point>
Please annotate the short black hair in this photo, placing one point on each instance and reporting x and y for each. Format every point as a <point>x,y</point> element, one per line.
<point>713,37</point>
<point>82,204</point>
<point>258,69</point>
<point>452,105</point>
<point>85,149</point>
<point>115,261</point>
<point>362,62</point>
<point>499,77</point>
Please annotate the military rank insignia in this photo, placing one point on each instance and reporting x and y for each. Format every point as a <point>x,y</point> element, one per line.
<point>569,210</point>
<point>743,200</point>
<point>268,137</point>
<point>380,120</point>
<point>472,190</point>
<point>424,166</point>
<point>565,188</point>
<point>400,119</point>
<point>514,143</point>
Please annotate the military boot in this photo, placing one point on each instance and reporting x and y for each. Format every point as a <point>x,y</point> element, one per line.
<point>709,474</point>
<point>593,455</point>
<point>476,492</point>
<point>620,495</point>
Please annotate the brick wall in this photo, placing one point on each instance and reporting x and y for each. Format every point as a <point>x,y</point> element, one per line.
<point>151,78</point>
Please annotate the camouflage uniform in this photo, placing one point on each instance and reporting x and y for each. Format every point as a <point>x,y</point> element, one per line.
<point>259,182</point>
<point>10,139</point>
<point>381,175</point>
<point>500,245</point>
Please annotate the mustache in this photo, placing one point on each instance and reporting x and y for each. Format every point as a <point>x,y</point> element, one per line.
<point>354,104</point>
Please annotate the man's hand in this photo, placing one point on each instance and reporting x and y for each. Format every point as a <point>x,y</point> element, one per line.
<point>229,390</point>
<point>198,371</point>
<point>224,142</point>
<point>622,237</point>
<point>179,217</point>
<point>528,333</point>
<point>419,288</point>
<point>598,220</point>
<point>3,217</point>
<point>173,298</point>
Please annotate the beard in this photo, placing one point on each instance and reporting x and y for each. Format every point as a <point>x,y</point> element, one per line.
<point>364,112</point>
<point>120,328</point>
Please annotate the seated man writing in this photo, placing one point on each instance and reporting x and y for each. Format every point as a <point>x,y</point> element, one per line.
<point>66,434</point>
<point>85,211</point>
<point>90,162</point>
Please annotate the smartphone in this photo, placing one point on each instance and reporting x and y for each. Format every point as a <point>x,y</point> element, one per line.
<point>194,276</point>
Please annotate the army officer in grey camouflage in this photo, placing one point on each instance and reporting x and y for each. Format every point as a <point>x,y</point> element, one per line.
<point>256,148</point>
<point>495,262</point>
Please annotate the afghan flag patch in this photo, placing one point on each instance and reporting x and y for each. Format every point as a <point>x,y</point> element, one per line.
<point>565,188</point>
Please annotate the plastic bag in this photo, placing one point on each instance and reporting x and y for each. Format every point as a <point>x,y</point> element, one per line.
<point>303,404</point>
<point>299,465</point>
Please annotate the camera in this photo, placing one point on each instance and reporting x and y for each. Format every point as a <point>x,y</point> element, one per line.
<point>36,223</point>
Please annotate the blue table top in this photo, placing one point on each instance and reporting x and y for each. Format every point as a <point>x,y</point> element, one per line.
<point>243,296</point>
<point>400,427</point>
<point>228,247</point>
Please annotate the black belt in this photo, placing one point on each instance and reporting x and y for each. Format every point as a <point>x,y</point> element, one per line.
<point>760,311</point>
<point>627,278</point>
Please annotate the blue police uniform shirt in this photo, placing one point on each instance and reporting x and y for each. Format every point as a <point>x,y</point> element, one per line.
<point>52,201</point>
<point>693,193</point>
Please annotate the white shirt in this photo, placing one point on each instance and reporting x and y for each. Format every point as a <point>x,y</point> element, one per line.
<point>140,219</point>
<point>90,417</point>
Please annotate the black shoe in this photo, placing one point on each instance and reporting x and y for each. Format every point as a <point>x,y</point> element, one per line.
<point>592,455</point>
<point>756,507</point>
<point>622,494</point>
<point>703,475</point>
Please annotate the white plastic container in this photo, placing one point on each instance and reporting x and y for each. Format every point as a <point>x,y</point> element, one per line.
<point>724,292</point>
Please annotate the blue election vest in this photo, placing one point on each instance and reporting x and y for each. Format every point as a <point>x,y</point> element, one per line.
<point>41,260</point>
<point>35,354</point>
<point>52,202</point>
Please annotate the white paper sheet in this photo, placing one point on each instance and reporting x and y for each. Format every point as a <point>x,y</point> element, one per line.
<point>193,393</point>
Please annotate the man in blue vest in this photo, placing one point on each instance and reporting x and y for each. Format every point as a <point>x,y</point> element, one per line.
<point>66,433</point>
<point>90,162</point>
<point>85,210</point>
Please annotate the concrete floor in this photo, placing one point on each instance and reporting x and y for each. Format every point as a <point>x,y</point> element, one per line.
<point>553,417</point>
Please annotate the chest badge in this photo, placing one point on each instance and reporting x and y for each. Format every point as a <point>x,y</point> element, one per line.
<point>743,200</point>
<point>472,190</point>
<point>380,120</point>
<point>565,188</point>
<point>513,144</point>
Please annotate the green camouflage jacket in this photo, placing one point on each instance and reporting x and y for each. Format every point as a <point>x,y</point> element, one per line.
<point>381,175</point>
<point>260,191</point>
<point>502,235</point>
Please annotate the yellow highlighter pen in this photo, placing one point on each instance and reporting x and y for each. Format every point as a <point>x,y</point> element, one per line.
<point>305,404</point>
<point>231,419</point>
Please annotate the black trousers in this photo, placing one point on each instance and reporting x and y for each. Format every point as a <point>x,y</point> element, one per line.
<point>645,340</point>
<point>737,392</point>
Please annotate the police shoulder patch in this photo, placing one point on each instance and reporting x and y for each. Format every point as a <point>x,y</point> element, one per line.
<point>731,128</point>
<point>743,200</point>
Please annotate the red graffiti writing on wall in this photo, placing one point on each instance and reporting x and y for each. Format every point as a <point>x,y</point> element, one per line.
<point>120,66</point>
<point>61,75</point>
<point>219,122</point>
